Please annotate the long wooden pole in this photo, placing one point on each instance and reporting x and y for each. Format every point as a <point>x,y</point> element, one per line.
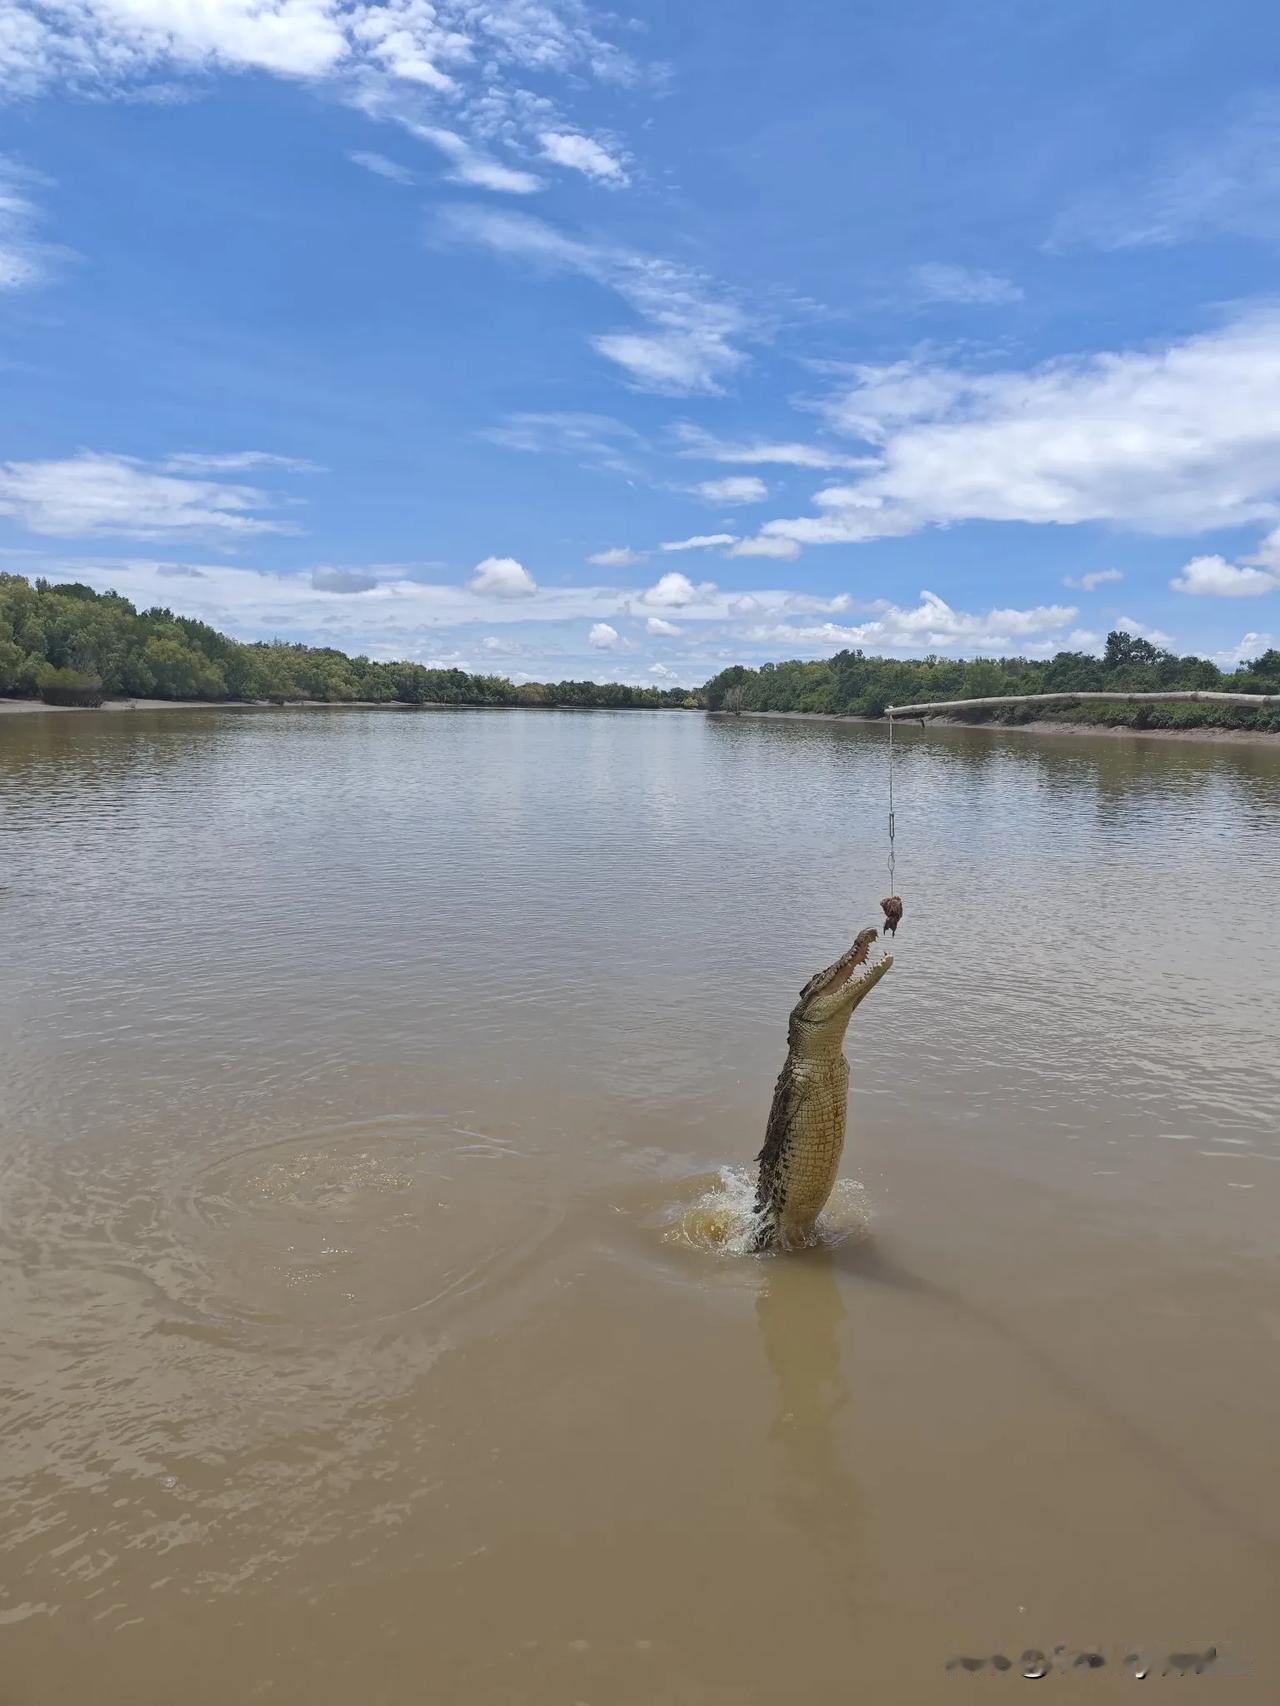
<point>1256,700</point>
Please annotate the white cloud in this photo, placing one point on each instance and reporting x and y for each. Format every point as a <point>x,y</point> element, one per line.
<point>673,591</point>
<point>112,44</point>
<point>1224,181</point>
<point>1095,578</point>
<point>395,617</point>
<point>675,363</point>
<point>380,166</point>
<point>1251,646</point>
<point>1178,440</point>
<point>25,261</point>
<point>1267,556</point>
<point>762,546</point>
<point>400,616</point>
<point>734,489</point>
<point>95,493</point>
<point>617,557</point>
<point>342,580</point>
<point>688,349</point>
<point>1144,631</point>
<point>590,439</point>
<point>583,154</point>
<point>704,447</point>
<point>932,626</point>
<point>698,542</point>
<point>407,41</point>
<point>105,44</point>
<point>1215,577</point>
<point>851,518</point>
<point>662,670</point>
<point>965,286</point>
<point>395,60</point>
<point>235,462</point>
<point>471,166</point>
<point>502,577</point>
<point>604,637</point>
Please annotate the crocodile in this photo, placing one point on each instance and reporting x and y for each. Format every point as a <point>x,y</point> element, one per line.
<point>805,1134</point>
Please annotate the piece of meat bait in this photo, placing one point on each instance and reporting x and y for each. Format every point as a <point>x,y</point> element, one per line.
<point>892,909</point>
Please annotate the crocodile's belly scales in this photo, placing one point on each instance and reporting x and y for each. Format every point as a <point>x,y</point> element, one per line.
<point>813,1144</point>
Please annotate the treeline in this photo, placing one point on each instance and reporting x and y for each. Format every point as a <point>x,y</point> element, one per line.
<point>852,684</point>
<point>66,636</point>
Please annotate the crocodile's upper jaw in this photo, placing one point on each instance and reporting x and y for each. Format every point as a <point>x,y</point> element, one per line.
<point>828,1000</point>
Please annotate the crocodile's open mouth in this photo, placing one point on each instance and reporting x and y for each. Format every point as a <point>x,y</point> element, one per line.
<point>842,985</point>
<point>858,964</point>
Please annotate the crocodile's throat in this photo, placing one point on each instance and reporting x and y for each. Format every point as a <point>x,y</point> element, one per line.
<point>805,1135</point>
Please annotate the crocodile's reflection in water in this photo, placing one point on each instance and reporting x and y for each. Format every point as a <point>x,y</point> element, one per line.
<point>802,1317</point>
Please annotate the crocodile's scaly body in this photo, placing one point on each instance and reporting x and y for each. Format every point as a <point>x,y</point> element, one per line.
<point>805,1136</point>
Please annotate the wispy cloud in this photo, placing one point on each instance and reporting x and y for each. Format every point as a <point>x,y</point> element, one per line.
<point>694,442</point>
<point>617,557</point>
<point>1144,631</point>
<point>686,347</point>
<point>96,493</point>
<point>963,286</point>
<point>342,580</point>
<point>584,154</point>
<point>235,462</point>
<point>1094,579</point>
<point>589,439</point>
<point>381,166</point>
<point>766,546</point>
<point>932,625</point>
<point>472,165</point>
<point>100,46</point>
<point>699,542</point>
<point>111,45</point>
<point>734,489</point>
<point>399,60</point>
<point>1176,440</point>
<point>25,259</point>
<point>1224,181</point>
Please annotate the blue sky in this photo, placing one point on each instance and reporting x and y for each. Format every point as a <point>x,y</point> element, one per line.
<point>555,341</point>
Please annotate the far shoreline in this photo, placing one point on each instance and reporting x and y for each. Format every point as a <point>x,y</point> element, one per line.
<point>22,706</point>
<point>1042,726</point>
<point>1263,737</point>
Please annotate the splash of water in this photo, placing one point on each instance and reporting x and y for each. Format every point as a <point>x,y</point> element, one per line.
<point>723,1218</point>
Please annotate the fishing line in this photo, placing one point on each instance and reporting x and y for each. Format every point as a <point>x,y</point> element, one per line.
<point>892,906</point>
<point>891,859</point>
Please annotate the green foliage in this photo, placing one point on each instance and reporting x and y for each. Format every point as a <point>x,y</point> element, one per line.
<point>67,637</point>
<point>68,686</point>
<point>68,627</point>
<point>69,680</point>
<point>852,684</point>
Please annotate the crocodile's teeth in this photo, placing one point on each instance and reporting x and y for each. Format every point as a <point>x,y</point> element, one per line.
<point>868,965</point>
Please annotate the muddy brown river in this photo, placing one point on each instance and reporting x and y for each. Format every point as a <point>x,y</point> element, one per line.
<point>358,1067</point>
